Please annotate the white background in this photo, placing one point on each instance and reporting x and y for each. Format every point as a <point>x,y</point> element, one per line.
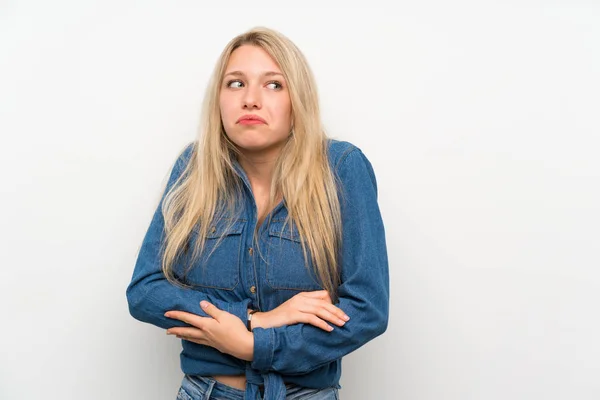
<point>480,118</point>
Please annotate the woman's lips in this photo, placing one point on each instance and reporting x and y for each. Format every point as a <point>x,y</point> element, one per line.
<point>250,122</point>
<point>251,119</point>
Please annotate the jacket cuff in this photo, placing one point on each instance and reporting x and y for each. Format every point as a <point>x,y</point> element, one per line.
<point>239,309</point>
<point>263,349</point>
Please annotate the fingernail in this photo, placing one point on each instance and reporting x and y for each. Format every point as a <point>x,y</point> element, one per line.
<point>167,314</point>
<point>203,304</point>
<point>347,318</point>
<point>169,333</point>
<point>330,328</point>
<point>341,322</point>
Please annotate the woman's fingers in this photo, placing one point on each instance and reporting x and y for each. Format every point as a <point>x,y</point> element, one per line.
<point>320,306</point>
<point>314,308</point>
<point>336,311</point>
<point>329,316</point>
<point>333,315</point>
<point>190,334</point>
<point>188,318</point>
<point>316,321</point>
<point>323,295</point>
<point>194,333</point>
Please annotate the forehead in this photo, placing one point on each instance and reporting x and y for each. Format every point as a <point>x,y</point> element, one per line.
<point>251,60</point>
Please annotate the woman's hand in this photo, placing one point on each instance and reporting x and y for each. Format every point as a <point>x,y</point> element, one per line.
<point>224,331</point>
<point>314,308</point>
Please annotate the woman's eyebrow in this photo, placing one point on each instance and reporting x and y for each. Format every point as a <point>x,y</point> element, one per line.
<point>240,73</point>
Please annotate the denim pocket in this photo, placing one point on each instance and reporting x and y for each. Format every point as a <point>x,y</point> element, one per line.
<point>183,395</point>
<point>298,393</point>
<point>192,388</point>
<point>286,268</point>
<point>219,265</point>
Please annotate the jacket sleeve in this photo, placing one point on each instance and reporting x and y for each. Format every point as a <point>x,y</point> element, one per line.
<point>363,293</point>
<point>150,294</point>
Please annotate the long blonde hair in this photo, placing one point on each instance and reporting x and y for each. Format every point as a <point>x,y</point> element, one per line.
<point>302,174</point>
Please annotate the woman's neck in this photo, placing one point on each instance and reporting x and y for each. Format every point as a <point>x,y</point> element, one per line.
<point>259,167</point>
<point>259,170</point>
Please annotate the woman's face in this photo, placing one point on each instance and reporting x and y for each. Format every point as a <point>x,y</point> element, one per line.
<point>255,103</point>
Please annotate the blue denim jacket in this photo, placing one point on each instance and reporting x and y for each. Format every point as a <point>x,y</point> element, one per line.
<point>236,276</point>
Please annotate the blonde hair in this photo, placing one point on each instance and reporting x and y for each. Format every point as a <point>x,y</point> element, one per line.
<point>302,174</point>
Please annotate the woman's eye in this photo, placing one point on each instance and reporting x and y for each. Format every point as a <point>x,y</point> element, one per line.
<point>274,85</point>
<point>234,84</point>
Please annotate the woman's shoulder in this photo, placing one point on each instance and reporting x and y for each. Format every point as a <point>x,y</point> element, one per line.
<point>341,151</point>
<point>338,150</point>
<point>185,154</point>
<point>349,162</point>
<point>188,149</point>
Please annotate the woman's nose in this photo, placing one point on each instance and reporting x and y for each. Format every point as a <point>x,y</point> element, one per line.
<point>251,98</point>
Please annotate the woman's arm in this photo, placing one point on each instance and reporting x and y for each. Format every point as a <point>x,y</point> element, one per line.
<point>313,308</point>
<point>363,294</point>
<point>149,294</point>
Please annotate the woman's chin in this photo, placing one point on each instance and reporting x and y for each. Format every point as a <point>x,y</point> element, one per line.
<point>257,146</point>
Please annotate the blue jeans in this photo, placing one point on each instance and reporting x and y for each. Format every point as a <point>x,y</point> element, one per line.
<point>194,387</point>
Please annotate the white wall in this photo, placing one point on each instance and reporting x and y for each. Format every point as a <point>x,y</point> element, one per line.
<point>482,123</point>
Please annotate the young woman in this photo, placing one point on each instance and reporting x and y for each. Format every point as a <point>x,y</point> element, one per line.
<point>267,252</point>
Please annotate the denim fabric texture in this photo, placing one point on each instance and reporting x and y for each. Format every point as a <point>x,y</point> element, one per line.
<point>206,388</point>
<point>263,271</point>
